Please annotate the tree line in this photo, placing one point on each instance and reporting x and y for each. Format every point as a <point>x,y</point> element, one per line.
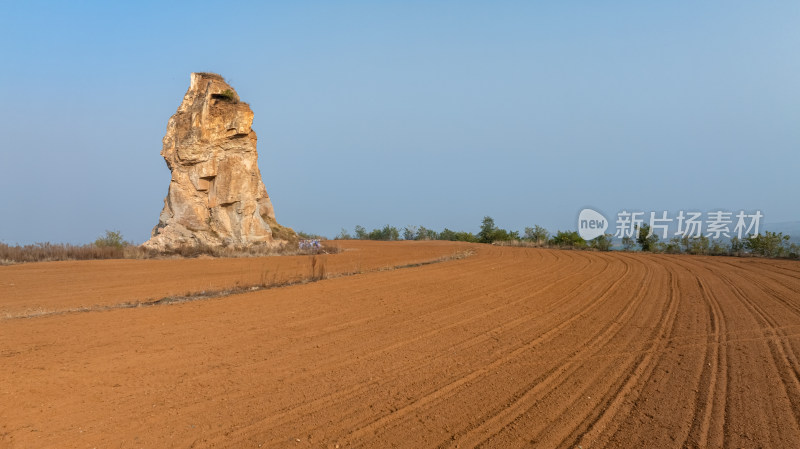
<point>769,244</point>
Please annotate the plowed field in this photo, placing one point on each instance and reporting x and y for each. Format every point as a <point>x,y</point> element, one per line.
<point>510,347</point>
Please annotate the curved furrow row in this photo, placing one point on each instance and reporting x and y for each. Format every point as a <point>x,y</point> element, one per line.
<point>513,289</point>
<point>783,359</point>
<point>516,289</point>
<point>561,392</point>
<point>599,429</point>
<point>446,390</point>
<point>658,416</point>
<point>498,419</point>
<point>785,266</point>
<point>707,429</point>
<point>790,283</point>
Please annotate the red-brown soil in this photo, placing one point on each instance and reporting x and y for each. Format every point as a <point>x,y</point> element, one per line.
<point>32,289</point>
<point>511,347</point>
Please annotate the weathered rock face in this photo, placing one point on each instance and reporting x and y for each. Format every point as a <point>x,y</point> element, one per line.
<point>216,195</point>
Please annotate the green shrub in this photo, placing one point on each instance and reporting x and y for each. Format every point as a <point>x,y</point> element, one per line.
<point>343,235</point>
<point>424,233</point>
<point>646,240</point>
<point>537,234</point>
<point>673,246</point>
<point>387,233</point>
<point>699,245</point>
<point>794,251</point>
<point>569,239</point>
<point>628,243</point>
<point>602,242</point>
<point>486,234</point>
<point>771,244</point>
<point>490,233</point>
<point>112,239</point>
<point>460,236</point>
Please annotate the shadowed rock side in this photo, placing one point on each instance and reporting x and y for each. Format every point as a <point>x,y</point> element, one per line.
<point>216,195</point>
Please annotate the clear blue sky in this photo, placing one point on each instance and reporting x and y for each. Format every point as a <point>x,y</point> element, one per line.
<point>430,112</point>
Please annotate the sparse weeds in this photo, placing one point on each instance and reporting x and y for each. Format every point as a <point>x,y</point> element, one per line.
<point>264,278</point>
<point>48,252</point>
<point>318,267</point>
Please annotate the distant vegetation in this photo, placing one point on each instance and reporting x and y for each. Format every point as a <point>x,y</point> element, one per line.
<point>112,245</point>
<point>490,233</point>
<point>769,244</point>
<point>568,239</point>
<point>112,239</point>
